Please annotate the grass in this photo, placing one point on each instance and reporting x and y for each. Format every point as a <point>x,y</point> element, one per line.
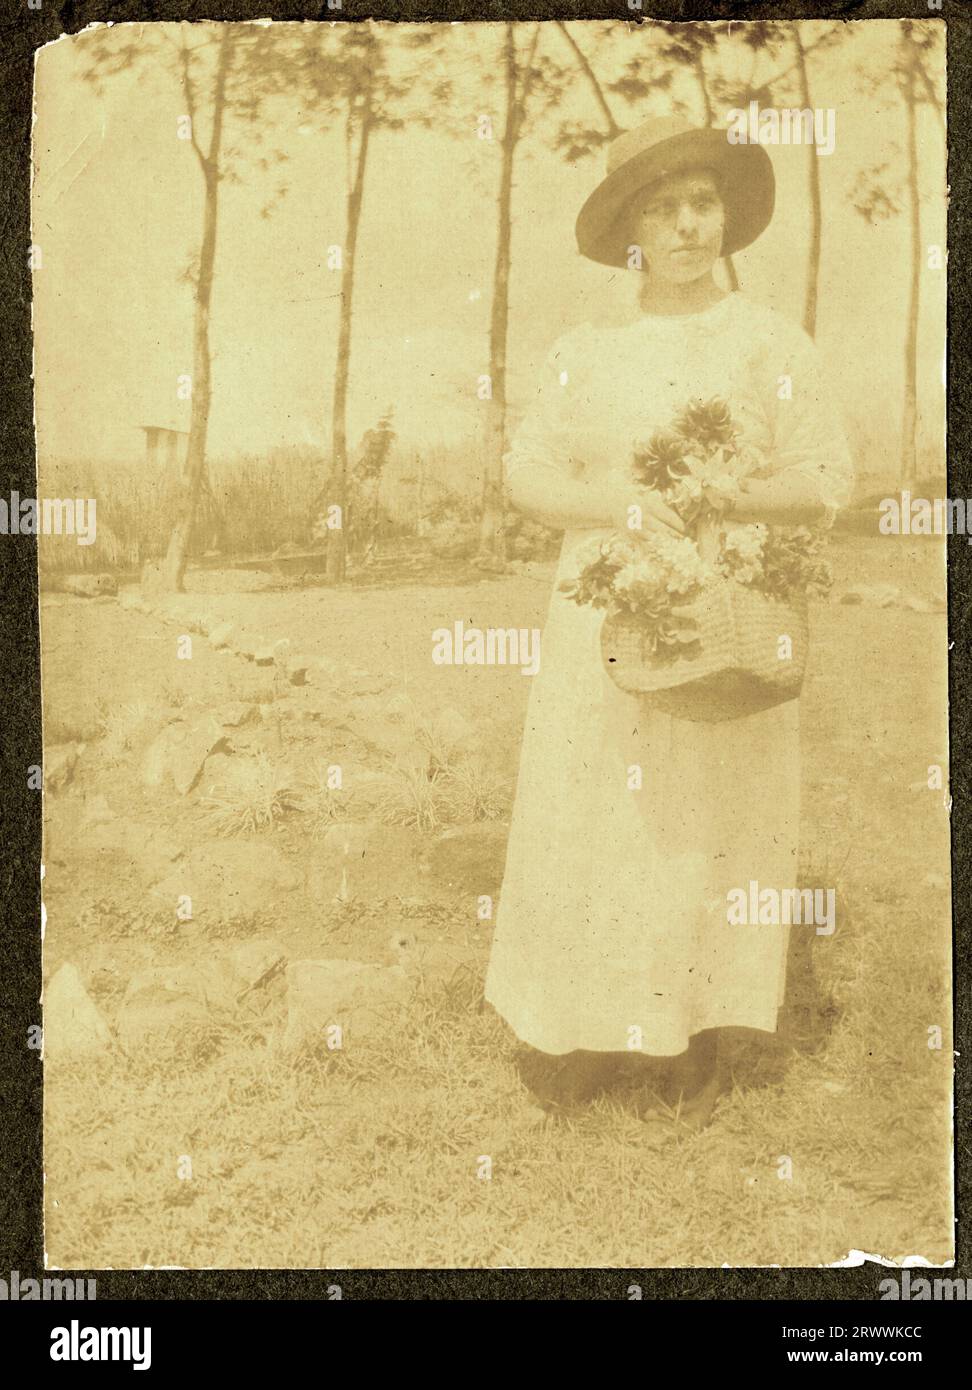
<point>255,503</point>
<point>414,796</point>
<point>373,1156</point>
<point>431,797</point>
<point>476,791</point>
<point>436,779</point>
<point>124,727</point>
<point>325,804</point>
<point>254,795</point>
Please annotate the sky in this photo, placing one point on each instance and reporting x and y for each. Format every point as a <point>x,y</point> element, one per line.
<point>117,210</point>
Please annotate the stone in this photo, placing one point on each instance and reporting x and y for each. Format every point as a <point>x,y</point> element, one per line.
<point>155,760</point>
<point>205,619</point>
<point>158,1007</point>
<point>400,707</point>
<point>120,849</point>
<point>203,737</point>
<point>179,753</point>
<point>73,1026</point>
<point>183,610</point>
<point>358,998</point>
<point>247,644</point>
<point>452,728</point>
<point>470,858</point>
<point>298,665</point>
<point>236,714</point>
<point>256,960</point>
<point>161,1002</point>
<point>133,600</point>
<point>890,596</point>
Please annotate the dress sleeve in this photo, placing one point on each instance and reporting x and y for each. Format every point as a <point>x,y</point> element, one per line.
<point>547,435</point>
<point>807,432</point>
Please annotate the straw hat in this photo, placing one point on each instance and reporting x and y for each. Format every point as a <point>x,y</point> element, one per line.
<point>667,146</point>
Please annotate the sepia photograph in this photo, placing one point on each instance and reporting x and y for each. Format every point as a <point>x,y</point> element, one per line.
<point>492,533</point>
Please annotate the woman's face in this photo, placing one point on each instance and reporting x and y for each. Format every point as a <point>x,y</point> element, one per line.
<point>678,223</point>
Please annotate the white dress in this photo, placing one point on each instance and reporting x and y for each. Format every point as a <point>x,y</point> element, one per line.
<point>611,930</point>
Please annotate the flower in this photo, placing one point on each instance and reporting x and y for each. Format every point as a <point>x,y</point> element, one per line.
<point>742,554</point>
<point>746,541</point>
<point>597,563</point>
<point>643,579</point>
<point>657,460</point>
<point>722,490</point>
<point>697,465</point>
<point>686,494</point>
<point>780,561</point>
<point>707,487</point>
<point>794,560</point>
<point>709,422</point>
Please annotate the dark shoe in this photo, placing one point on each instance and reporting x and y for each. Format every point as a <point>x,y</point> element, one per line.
<point>568,1081</point>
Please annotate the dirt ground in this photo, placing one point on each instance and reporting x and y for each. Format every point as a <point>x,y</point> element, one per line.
<point>374,1155</point>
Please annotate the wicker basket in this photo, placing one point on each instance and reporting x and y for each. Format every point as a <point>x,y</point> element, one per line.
<point>734,669</point>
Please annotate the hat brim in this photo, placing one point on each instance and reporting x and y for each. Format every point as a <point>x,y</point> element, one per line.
<point>749,192</point>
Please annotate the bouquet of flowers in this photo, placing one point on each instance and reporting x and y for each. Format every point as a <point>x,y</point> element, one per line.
<point>696,621</point>
<point>696,465</point>
<point>780,561</point>
<point>642,581</point>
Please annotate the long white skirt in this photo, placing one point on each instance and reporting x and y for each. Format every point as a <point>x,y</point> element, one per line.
<point>612,930</point>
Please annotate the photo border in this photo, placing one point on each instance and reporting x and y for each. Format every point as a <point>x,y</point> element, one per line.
<point>21,1227</point>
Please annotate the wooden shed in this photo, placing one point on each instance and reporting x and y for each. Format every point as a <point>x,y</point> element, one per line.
<point>165,446</point>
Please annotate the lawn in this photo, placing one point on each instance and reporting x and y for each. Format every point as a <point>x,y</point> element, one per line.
<point>414,1144</point>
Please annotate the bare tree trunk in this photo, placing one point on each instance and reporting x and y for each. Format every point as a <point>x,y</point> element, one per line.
<point>492,544</point>
<point>174,567</point>
<point>909,423</point>
<point>816,219</point>
<point>338,479</point>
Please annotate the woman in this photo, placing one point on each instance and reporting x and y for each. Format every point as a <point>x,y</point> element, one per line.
<point>612,934</point>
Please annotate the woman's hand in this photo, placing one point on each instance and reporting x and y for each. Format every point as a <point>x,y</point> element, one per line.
<point>546,495</point>
<point>635,504</point>
<point>789,497</point>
